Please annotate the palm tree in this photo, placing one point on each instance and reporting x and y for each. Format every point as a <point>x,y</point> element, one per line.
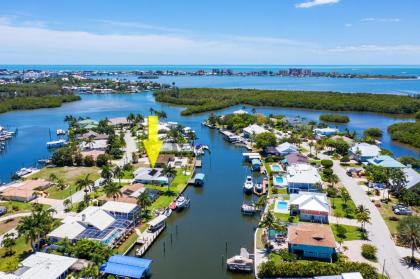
<point>268,220</point>
<point>345,196</point>
<point>169,172</point>
<point>60,184</point>
<point>118,173</point>
<point>106,173</point>
<point>36,226</point>
<point>139,118</point>
<point>363,217</point>
<point>409,233</point>
<point>143,200</point>
<point>84,183</point>
<point>261,202</point>
<point>112,191</point>
<point>131,117</point>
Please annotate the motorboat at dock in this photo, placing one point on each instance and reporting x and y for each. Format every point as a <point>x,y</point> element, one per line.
<point>241,263</point>
<point>182,202</point>
<point>248,185</point>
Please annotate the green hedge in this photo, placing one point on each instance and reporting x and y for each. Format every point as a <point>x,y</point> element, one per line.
<point>311,268</point>
<point>406,132</point>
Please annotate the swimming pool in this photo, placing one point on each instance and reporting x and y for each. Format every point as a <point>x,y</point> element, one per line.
<point>281,206</point>
<point>275,168</point>
<point>279,181</point>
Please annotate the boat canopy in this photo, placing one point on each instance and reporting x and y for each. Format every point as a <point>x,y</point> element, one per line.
<point>157,220</point>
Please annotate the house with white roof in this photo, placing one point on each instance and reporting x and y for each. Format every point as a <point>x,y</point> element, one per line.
<point>303,177</point>
<point>150,176</point>
<point>253,129</point>
<point>42,265</point>
<point>325,132</point>
<point>94,145</point>
<point>310,206</point>
<point>240,111</point>
<point>364,151</point>
<point>412,177</point>
<point>286,148</point>
<point>106,224</point>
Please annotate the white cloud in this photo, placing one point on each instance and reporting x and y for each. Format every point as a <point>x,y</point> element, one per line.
<point>348,25</point>
<point>139,25</point>
<point>395,19</point>
<point>390,49</point>
<point>313,3</point>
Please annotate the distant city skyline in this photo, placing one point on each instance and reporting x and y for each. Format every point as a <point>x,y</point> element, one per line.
<point>273,32</point>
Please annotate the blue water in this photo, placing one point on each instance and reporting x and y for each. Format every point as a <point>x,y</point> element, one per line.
<point>275,168</point>
<point>393,86</point>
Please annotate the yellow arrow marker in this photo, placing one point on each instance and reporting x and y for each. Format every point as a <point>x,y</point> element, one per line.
<point>153,144</point>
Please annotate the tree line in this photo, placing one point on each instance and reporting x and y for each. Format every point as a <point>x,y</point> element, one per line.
<point>206,99</point>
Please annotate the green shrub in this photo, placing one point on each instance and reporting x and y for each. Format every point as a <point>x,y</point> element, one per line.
<point>369,252</point>
<point>89,161</point>
<point>327,163</point>
<point>345,159</point>
<point>373,133</point>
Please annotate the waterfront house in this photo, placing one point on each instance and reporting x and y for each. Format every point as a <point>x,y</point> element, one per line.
<point>130,194</point>
<point>99,145</point>
<point>286,148</point>
<point>310,206</point>
<point>295,158</point>
<point>42,265</point>
<point>364,151</point>
<point>150,176</point>
<point>229,136</point>
<point>240,111</point>
<point>311,240</point>
<point>92,136</point>
<point>325,132</point>
<point>347,275</point>
<point>253,130</point>
<point>24,191</point>
<point>385,161</point>
<point>88,124</point>
<point>176,148</point>
<point>163,160</point>
<point>106,224</point>
<point>126,267</point>
<point>303,177</point>
<point>119,122</point>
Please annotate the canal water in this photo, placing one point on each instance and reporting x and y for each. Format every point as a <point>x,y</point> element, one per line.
<point>195,241</point>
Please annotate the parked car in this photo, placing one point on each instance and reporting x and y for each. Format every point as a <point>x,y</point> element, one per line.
<point>3,210</point>
<point>397,206</point>
<point>403,211</point>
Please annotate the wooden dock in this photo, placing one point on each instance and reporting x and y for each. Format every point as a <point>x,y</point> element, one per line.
<point>198,163</point>
<point>146,239</point>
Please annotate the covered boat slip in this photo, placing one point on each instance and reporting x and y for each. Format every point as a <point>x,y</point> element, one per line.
<point>126,267</point>
<point>250,156</point>
<point>157,223</point>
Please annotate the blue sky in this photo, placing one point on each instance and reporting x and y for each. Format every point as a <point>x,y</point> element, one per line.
<point>210,32</point>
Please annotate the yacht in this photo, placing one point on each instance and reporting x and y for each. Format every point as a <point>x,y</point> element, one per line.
<point>248,209</point>
<point>248,185</point>
<point>56,143</point>
<point>24,171</point>
<point>182,202</point>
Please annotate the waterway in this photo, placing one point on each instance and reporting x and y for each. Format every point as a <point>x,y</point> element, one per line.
<point>195,241</point>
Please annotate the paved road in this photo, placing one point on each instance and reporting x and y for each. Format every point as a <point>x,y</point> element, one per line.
<point>22,214</point>
<point>130,147</point>
<point>378,231</point>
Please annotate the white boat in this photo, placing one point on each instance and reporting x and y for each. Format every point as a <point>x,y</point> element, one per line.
<point>248,185</point>
<point>24,171</point>
<point>167,212</point>
<point>258,187</point>
<point>248,209</point>
<point>241,263</point>
<point>182,202</point>
<point>56,143</point>
<point>60,132</point>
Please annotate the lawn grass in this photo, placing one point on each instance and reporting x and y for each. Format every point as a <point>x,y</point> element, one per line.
<point>70,175</point>
<point>14,207</point>
<point>259,243</point>
<point>353,233</point>
<point>124,247</point>
<point>10,263</point>
<point>339,208</point>
<point>386,212</point>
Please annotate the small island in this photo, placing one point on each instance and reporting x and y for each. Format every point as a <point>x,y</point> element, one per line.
<point>336,118</point>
